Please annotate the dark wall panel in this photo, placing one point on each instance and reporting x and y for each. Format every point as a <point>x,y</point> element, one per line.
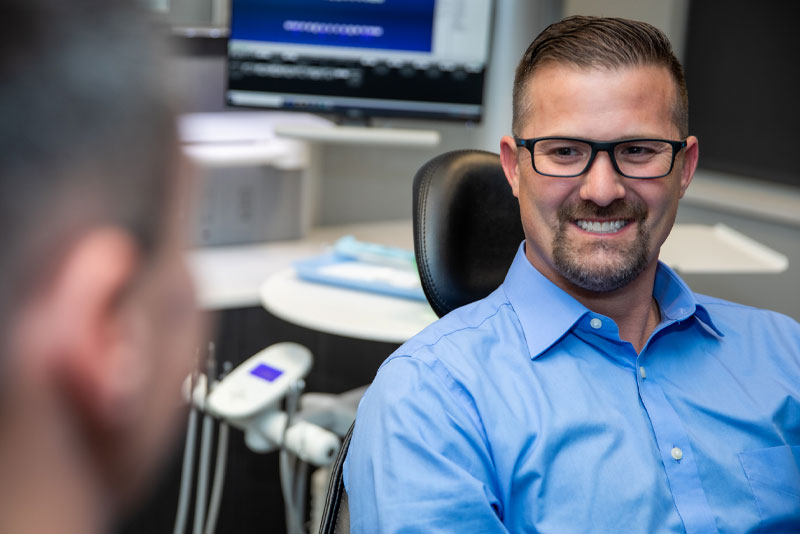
<point>742,68</point>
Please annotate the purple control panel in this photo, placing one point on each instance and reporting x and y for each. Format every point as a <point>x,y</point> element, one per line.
<point>266,372</point>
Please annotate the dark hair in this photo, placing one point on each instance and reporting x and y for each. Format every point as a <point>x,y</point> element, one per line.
<point>87,131</point>
<point>592,42</point>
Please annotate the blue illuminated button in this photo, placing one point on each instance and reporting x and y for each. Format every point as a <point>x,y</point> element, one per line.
<point>266,372</point>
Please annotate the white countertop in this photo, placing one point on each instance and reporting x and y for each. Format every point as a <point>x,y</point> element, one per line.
<point>232,276</point>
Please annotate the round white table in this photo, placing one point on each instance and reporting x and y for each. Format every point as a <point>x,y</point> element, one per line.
<point>342,311</point>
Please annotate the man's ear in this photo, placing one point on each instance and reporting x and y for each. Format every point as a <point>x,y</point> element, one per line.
<point>690,158</point>
<point>76,325</point>
<point>508,158</point>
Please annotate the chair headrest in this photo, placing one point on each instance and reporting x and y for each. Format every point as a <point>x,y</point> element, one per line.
<point>467,227</point>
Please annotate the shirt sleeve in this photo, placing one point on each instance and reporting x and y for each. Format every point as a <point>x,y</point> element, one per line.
<point>418,460</point>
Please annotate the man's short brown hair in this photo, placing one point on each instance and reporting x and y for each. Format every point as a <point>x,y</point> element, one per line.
<point>600,42</point>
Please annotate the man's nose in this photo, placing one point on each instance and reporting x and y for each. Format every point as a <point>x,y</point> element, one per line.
<point>601,183</point>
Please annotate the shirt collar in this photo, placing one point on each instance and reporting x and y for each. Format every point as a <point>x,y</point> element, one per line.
<point>546,312</point>
<point>677,301</point>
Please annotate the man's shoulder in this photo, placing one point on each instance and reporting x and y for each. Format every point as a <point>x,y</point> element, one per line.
<point>725,311</point>
<point>735,308</point>
<point>445,363</point>
<point>463,330</point>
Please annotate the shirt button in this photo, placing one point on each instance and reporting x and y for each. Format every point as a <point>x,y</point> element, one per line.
<point>676,453</point>
<point>595,323</point>
<point>642,372</point>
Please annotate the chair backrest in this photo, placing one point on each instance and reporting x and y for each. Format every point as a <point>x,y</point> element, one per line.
<point>336,514</point>
<point>466,231</point>
<point>466,227</point>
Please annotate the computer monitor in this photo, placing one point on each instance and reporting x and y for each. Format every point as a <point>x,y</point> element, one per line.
<point>360,58</point>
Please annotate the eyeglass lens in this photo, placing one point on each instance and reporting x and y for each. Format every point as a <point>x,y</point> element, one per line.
<point>637,159</point>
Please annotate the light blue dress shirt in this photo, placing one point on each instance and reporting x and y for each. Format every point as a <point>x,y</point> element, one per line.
<point>525,412</point>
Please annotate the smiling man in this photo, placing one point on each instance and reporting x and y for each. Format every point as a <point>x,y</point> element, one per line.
<point>593,391</point>
<point>596,213</point>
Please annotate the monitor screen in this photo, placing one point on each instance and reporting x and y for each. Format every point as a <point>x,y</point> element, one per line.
<point>360,58</point>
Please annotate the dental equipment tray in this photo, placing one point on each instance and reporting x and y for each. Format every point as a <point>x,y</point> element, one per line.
<point>346,271</point>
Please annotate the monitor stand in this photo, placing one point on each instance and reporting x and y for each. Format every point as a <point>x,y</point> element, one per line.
<point>358,135</point>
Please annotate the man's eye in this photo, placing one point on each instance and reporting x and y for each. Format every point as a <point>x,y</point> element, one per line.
<point>566,151</point>
<point>645,149</point>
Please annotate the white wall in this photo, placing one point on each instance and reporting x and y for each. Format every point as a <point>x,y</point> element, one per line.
<point>201,13</point>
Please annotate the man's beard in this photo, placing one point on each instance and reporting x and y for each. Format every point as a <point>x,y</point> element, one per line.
<point>623,262</point>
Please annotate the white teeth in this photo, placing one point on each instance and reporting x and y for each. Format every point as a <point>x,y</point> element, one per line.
<point>605,227</point>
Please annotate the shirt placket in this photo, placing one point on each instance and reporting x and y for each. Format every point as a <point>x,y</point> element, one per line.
<point>672,440</point>
<point>676,453</point>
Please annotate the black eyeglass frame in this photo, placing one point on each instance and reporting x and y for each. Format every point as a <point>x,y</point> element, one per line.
<point>600,146</point>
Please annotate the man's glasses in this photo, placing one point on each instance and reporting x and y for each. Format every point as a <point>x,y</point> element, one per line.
<point>568,157</point>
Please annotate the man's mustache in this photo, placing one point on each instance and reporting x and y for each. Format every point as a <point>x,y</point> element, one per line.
<point>618,209</point>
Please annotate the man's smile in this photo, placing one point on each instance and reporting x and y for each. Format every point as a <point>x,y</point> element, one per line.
<point>602,227</point>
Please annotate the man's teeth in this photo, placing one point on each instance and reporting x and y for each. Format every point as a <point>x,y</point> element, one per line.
<point>605,227</point>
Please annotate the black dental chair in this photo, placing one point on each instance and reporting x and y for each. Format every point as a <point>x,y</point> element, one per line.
<point>466,231</point>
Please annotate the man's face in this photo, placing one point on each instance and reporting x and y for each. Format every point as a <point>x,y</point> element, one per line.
<point>559,214</point>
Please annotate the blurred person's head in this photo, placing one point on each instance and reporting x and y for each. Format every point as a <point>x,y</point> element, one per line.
<point>97,316</point>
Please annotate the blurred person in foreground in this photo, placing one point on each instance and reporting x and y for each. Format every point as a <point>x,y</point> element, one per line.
<point>593,391</point>
<point>97,311</point>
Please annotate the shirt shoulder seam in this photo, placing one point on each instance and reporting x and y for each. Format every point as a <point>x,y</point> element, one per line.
<point>449,333</point>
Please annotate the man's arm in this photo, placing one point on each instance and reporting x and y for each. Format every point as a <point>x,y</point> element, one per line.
<point>419,460</point>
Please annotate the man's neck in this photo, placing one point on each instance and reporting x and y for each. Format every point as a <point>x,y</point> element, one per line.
<point>632,307</point>
<point>47,484</point>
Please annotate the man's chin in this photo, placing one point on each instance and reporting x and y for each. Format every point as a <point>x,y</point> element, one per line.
<point>600,273</point>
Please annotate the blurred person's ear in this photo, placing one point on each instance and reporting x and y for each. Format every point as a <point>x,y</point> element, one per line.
<point>76,328</point>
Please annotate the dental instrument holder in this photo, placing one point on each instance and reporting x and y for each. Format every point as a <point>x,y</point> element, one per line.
<point>249,399</point>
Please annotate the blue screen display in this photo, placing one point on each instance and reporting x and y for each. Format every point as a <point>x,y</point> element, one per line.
<point>405,25</point>
<point>266,372</point>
